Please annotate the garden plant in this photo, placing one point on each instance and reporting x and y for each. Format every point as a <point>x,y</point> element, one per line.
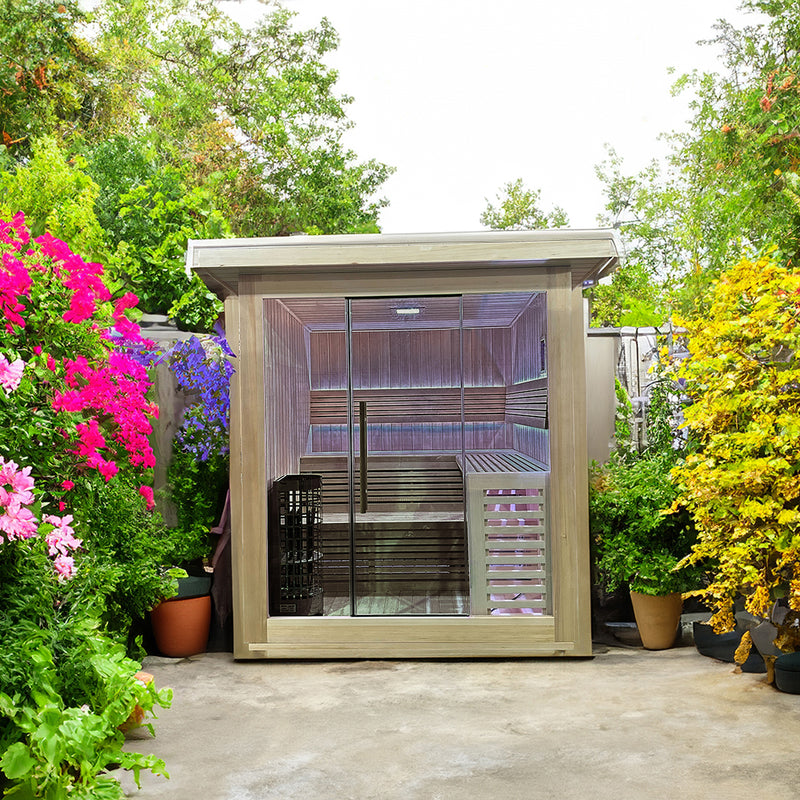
<point>198,473</point>
<point>637,543</point>
<point>740,481</point>
<point>80,548</point>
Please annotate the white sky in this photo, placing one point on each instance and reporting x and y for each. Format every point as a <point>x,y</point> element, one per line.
<point>463,96</point>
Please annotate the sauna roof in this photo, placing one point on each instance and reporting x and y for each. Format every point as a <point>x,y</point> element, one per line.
<point>587,254</point>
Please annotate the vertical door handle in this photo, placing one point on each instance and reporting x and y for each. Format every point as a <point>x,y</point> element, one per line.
<point>362,461</point>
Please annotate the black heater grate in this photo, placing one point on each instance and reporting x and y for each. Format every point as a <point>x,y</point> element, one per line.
<point>295,545</point>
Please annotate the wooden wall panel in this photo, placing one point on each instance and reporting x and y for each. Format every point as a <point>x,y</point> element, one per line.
<point>529,329</point>
<point>410,437</point>
<point>411,358</point>
<point>244,328</point>
<point>328,360</point>
<point>288,390</point>
<point>533,442</point>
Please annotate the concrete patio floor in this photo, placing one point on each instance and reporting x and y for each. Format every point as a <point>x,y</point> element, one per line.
<point>627,724</point>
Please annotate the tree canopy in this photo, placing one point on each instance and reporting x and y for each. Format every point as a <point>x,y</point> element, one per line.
<point>719,194</point>
<point>518,209</point>
<point>186,125</point>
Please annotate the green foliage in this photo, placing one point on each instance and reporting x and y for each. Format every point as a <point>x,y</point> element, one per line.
<point>641,207</point>
<point>252,113</point>
<point>743,143</point>
<point>65,686</point>
<point>124,558</point>
<point>721,190</point>
<point>623,423</point>
<point>47,72</point>
<point>197,488</point>
<point>518,210</point>
<point>56,195</point>
<point>637,541</point>
<point>155,219</point>
<point>741,483</point>
<point>164,120</point>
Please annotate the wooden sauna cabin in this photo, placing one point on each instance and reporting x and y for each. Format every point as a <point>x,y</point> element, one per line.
<point>423,398</point>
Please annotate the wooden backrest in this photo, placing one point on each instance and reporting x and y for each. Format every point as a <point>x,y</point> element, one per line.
<point>402,482</point>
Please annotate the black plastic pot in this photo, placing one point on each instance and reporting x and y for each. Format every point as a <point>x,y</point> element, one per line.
<point>787,673</point>
<point>722,646</point>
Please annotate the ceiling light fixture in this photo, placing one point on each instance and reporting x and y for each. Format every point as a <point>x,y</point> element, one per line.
<point>407,310</point>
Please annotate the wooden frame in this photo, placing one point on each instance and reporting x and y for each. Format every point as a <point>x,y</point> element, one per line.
<point>245,272</point>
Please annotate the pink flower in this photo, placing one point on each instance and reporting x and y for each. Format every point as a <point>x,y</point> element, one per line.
<point>91,438</point>
<point>61,540</point>
<point>147,493</point>
<point>64,566</point>
<point>67,485</point>
<point>19,480</point>
<point>18,522</point>
<point>10,373</point>
<point>108,469</point>
<point>126,328</point>
<point>81,307</point>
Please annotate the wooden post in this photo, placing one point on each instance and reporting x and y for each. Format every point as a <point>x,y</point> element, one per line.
<point>244,320</point>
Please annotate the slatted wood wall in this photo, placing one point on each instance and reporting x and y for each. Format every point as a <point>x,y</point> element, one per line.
<point>413,394</point>
<point>529,330</point>
<point>287,389</point>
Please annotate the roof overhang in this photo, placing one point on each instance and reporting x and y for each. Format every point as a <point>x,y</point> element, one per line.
<point>587,254</point>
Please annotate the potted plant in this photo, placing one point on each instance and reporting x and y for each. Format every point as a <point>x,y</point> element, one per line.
<point>637,541</point>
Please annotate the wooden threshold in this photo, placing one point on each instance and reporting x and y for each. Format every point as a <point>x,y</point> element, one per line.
<point>404,637</point>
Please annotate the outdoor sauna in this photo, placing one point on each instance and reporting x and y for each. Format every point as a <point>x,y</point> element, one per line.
<point>412,409</point>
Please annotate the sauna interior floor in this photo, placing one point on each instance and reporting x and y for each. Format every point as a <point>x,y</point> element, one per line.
<point>389,605</point>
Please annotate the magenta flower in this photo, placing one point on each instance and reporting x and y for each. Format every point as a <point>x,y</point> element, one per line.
<point>147,493</point>
<point>91,438</point>
<point>10,373</point>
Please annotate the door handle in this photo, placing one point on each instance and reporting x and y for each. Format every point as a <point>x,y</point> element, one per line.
<point>362,461</point>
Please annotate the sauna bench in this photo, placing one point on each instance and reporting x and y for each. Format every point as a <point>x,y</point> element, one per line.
<point>490,461</point>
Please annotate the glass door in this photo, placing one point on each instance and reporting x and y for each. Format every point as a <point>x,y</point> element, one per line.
<point>405,403</point>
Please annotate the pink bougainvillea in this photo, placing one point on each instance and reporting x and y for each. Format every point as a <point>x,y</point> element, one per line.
<point>74,397</point>
<point>10,373</point>
<point>99,395</point>
<point>147,493</point>
<point>16,520</point>
<point>61,540</point>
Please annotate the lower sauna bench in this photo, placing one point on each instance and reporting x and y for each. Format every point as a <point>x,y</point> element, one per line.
<point>508,530</point>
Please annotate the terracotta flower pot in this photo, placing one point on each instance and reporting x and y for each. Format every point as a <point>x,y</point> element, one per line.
<point>181,626</point>
<point>657,617</point>
<point>136,718</point>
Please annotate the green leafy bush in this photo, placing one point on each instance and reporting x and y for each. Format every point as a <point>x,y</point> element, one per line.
<point>638,543</point>
<point>122,563</point>
<point>65,685</point>
<point>637,540</point>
